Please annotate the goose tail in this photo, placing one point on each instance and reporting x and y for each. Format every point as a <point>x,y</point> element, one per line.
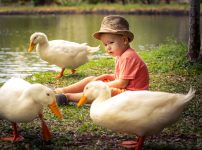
<point>189,95</point>
<point>93,49</point>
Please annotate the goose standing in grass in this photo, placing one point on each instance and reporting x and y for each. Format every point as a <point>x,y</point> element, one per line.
<point>142,113</point>
<point>21,102</point>
<point>63,54</point>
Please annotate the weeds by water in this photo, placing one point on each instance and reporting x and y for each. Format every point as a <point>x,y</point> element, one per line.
<point>169,71</point>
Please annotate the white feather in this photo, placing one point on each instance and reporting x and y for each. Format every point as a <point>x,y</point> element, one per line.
<point>21,101</point>
<point>141,113</point>
<point>62,53</point>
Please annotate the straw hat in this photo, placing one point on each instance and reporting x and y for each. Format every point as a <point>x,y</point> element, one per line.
<point>114,24</point>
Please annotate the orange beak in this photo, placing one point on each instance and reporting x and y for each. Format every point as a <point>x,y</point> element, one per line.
<point>54,108</point>
<point>82,101</point>
<point>31,46</point>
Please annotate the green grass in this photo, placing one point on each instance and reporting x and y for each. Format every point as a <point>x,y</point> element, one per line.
<point>169,71</point>
<point>82,8</point>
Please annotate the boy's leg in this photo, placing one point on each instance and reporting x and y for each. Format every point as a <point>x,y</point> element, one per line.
<point>76,87</point>
<point>74,97</point>
<point>64,99</point>
<point>71,93</point>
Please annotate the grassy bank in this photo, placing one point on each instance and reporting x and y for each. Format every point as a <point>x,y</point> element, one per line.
<point>169,71</point>
<point>173,9</point>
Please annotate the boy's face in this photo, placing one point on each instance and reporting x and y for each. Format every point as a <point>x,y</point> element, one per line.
<point>114,44</point>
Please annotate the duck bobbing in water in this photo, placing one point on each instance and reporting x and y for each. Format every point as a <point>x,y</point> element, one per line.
<point>63,54</point>
<point>22,102</point>
<point>142,113</point>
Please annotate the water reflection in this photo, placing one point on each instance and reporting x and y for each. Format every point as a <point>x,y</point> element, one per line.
<point>20,64</point>
<point>15,31</point>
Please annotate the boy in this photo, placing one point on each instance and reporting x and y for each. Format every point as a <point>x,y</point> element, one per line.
<point>131,72</point>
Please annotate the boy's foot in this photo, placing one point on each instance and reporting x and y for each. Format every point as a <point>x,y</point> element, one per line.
<point>61,99</point>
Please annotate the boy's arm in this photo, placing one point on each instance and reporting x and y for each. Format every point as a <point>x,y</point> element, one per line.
<point>118,83</point>
<point>105,77</point>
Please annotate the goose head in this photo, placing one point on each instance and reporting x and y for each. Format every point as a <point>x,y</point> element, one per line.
<point>43,96</point>
<point>35,38</point>
<point>93,91</point>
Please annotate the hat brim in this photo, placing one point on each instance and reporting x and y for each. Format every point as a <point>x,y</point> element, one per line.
<point>127,33</point>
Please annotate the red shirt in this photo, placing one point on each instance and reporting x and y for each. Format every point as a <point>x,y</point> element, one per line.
<point>131,67</point>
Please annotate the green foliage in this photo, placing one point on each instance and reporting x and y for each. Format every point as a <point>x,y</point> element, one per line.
<point>41,2</point>
<point>93,1</point>
<point>8,1</point>
<point>78,2</point>
<point>68,2</point>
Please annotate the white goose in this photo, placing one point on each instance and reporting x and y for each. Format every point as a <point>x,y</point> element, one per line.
<point>142,113</point>
<point>21,102</point>
<point>62,53</point>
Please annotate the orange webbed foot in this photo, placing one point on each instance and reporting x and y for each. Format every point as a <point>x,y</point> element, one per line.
<point>60,74</point>
<point>73,71</point>
<point>16,138</point>
<point>129,144</point>
<point>134,144</point>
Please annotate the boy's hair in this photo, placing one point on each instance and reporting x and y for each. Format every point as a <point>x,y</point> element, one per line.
<point>114,24</point>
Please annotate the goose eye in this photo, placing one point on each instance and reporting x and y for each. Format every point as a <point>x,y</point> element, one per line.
<point>47,94</point>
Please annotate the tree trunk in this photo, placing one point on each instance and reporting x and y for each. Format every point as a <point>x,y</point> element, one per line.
<point>194,42</point>
<point>167,1</point>
<point>123,2</point>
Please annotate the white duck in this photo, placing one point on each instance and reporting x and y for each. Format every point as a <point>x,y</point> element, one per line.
<point>62,53</point>
<point>21,102</point>
<point>142,113</point>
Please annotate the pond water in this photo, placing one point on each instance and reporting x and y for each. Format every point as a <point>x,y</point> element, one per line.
<point>15,31</point>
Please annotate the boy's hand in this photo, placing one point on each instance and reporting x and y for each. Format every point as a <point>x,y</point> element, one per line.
<point>105,78</point>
